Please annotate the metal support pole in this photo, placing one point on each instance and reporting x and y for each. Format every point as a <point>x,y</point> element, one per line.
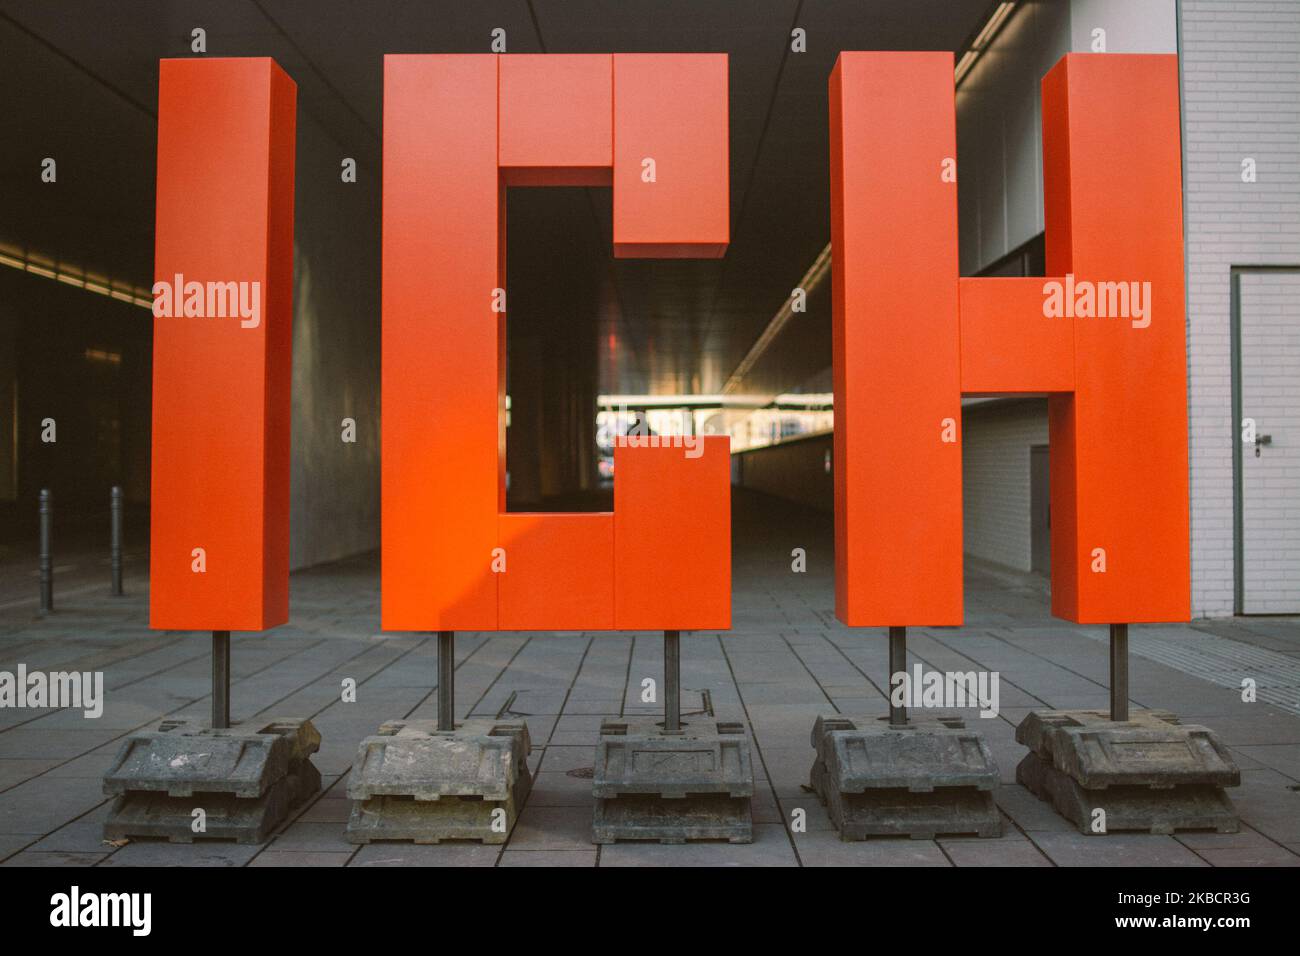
<point>1119,672</point>
<point>446,680</point>
<point>115,539</point>
<point>897,665</point>
<point>46,557</point>
<point>672,682</point>
<point>220,680</point>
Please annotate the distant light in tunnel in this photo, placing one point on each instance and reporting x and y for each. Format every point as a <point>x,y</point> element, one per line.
<point>123,292</point>
<point>658,401</point>
<point>982,41</point>
<point>109,356</point>
<point>811,280</point>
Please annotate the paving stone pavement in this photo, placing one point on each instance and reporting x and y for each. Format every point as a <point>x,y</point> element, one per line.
<point>785,661</point>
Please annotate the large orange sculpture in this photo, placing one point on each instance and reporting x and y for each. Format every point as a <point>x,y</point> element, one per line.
<point>223,334</point>
<point>911,337</point>
<point>459,129</point>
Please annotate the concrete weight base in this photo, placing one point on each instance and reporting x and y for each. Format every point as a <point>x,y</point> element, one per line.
<point>673,820</point>
<point>1149,773</point>
<point>248,820</point>
<point>928,777</point>
<point>245,779</point>
<point>415,783</point>
<point>694,785</point>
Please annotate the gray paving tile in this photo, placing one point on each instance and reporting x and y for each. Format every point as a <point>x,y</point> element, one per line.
<point>825,848</point>
<point>274,857</point>
<point>814,814</point>
<point>1250,856</point>
<point>92,766</point>
<point>771,847</point>
<point>44,804</point>
<point>548,858</point>
<point>14,771</point>
<point>442,854</point>
<point>1017,851</point>
<point>302,836</point>
<point>552,828</point>
<point>1245,839</point>
<point>564,759</point>
<point>80,836</point>
<point>1028,812</point>
<point>53,858</point>
<point>328,809</point>
<point>1284,758</point>
<point>561,790</point>
<point>1241,730</point>
<point>1114,849</point>
<point>1266,801</point>
<point>11,843</point>
<point>161,853</point>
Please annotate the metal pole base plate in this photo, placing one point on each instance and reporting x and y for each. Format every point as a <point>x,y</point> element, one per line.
<point>1149,773</point>
<point>246,780</point>
<point>929,777</point>
<point>415,783</point>
<point>672,787</point>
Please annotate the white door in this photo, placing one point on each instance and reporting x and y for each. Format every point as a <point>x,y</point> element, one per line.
<point>1270,465</point>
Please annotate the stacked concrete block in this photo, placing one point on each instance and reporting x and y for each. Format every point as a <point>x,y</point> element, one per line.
<point>927,777</point>
<point>413,782</point>
<point>245,780</point>
<point>1148,773</point>
<point>696,784</point>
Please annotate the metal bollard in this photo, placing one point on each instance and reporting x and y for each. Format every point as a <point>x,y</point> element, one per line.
<point>897,665</point>
<point>672,682</point>
<point>1119,672</point>
<point>115,543</point>
<point>446,680</point>
<point>220,680</point>
<point>46,558</point>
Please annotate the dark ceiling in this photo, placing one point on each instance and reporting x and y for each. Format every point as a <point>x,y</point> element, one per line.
<point>79,81</point>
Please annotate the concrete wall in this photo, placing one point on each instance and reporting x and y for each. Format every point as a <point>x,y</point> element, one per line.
<point>795,470</point>
<point>1130,26</point>
<point>996,438</point>
<point>83,360</point>
<point>999,111</point>
<point>999,134</point>
<point>8,406</point>
<point>334,487</point>
<point>1000,197</point>
<point>1241,98</point>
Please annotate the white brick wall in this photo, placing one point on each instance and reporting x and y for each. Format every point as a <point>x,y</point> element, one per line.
<point>995,478</point>
<point>1241,98</point>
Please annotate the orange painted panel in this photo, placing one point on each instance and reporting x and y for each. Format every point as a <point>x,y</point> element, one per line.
<point>559,572</point>
<point>220,472</point>
<point>898,541</point>
<point>672,537</point>
<point>443,344</point>
<point>1103,334</point>
<point>1112,164</point>
<point>457,130</point>
<point>672,109</point>
<point>1007,344</point>
<point>557,116</point>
